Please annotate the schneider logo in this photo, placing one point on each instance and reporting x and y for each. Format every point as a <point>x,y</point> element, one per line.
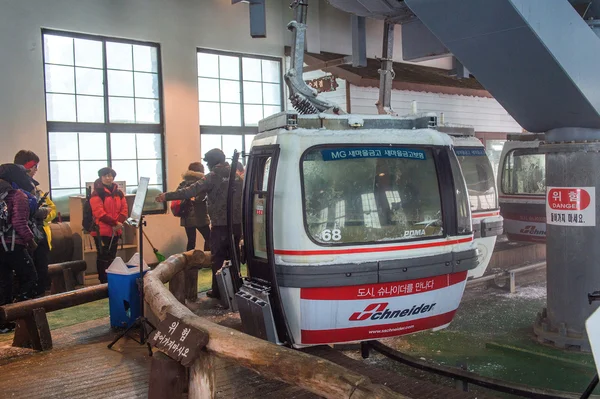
<point>379,311</point>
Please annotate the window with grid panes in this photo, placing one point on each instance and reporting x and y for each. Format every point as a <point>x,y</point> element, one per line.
<point>92,124</point>
<point>235,91</point>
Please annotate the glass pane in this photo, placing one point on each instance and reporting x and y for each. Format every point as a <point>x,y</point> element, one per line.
<point>271,94</point>
<point>271,71</point>
<point>208,65</point>
<point>89,81</point>
<point>92,146</point>
<point>58,50</point>
<point>210,114</point>
<point>271,109</point>
<point>146,85</point>
<point>230,91</point>
<point>524,172</point>
<point>479,176</point>
<point>62,146</point>
<point>150,204</point>
<point>88,53</point>
<point>252,114</point>
<point>371,194</point>
<point>149,146</point>
<point>145,58</point>
<point>231,115</point>
<point>252,93</point>
<point>60,107</point>
<point>64,174</point>
<point>208,142</point>
<point>146,111</point>
<point>208,89</point>
<point>90,109</point>
<point>126,171</point>
<point>151,169</point>
<point>251,69</point>
<point>122,146</point>
<point>61,199</point>
<point>120,83</point>
<point>89,170</point>
<point>231,143</point>
<point>229,67</point>
<point>60,79</point>
<point>121,109</point>
<point>493,149</point>
<point>248,141</point>
<point>119,56</point>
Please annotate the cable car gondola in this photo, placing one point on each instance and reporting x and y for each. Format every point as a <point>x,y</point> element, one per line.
<point>355,228</point>
<point>483,197</point>
<point>522,184</point>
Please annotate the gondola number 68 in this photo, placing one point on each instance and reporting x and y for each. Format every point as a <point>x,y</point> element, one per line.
<point>328,235</point>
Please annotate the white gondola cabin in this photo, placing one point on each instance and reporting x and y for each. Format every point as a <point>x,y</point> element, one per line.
<point>355,228</point>
<point>483,197</point>
<point>522,185</point>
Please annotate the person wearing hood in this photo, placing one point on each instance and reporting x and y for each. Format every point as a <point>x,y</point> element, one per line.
<point>44,215</point>
<point>109,207</point>
<point>196,216</point>
<point>17,239</point>
<point>215,186</point>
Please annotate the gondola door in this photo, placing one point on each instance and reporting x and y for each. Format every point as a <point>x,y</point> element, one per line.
<point>257,216</point>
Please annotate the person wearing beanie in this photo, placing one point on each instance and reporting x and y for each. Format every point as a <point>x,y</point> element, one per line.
<point>109,207</point>
<point>214,186</point>
<point>196,216</point>
<point>44,215</point>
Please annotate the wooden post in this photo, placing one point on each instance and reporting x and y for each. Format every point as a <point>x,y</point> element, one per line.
<point>191,284</point>
<point>202,377</point>
<point>69,279</point>
<point>167,377</point>
<point>33,332</point>
<point>177,286</point>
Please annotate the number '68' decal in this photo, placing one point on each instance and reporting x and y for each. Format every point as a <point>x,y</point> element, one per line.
<point>331,235</point>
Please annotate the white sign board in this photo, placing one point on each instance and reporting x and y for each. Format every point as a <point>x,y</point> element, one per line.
<point>571,206</point>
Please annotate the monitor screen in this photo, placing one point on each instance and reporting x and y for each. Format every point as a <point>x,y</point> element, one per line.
<point>140,197</point>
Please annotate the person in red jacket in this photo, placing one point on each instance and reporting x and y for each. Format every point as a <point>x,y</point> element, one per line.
<point>16,241</point>
<point>109,208</point>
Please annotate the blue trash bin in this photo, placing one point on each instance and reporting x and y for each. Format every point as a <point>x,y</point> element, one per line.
<point>123,293</point>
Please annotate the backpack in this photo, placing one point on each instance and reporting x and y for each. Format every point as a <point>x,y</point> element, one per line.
<point>88,222</point>
<point>5,226</point>
<point>180,208</point>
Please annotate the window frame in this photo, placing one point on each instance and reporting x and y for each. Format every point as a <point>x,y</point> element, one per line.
<point>445,190</point>
<point>529,151</point>
<point>108,127</point>
<point>491,168</point>
<point>239,130</point>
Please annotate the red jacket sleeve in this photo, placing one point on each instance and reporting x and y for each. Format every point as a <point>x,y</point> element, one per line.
<point>99,212</point>
<point>124,214</point>
<point>20,216</point>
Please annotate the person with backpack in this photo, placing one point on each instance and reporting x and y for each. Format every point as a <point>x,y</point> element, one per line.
<point>16,239</point>
<point>109,208</point>
<point>44,215</point>
<point>215,186</point>
<point>193,212</point>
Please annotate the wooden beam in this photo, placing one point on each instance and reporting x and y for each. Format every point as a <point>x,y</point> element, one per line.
<point>202,377</point>
<point>167,377</point>
<point>328,64</point>
<point>33,332</point>
<point>319,376</point>
<point>50,303</point>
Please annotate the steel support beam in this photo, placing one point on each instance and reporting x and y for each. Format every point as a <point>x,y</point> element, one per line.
<point>359,41</point>
<point>384,104</point>
<point>419,44</point>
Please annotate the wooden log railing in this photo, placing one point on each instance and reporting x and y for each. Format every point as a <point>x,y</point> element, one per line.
<point>32,330</point>
<point>313,374</point>
<point>65,275</point>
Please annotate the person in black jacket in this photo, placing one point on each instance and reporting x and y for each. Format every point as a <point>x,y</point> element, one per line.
<point>215,186</point>
<point>196,216</point>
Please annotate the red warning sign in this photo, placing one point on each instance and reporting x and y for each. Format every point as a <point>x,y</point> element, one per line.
<point>571,206</point>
